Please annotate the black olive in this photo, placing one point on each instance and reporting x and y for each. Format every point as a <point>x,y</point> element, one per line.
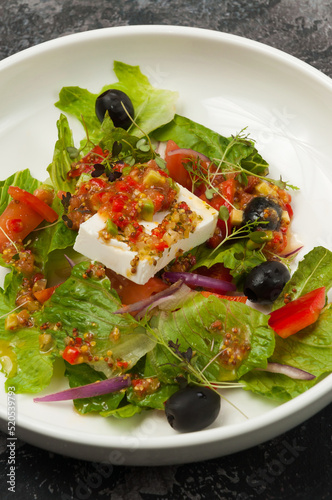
<point>265,210</point>
<point>192,408</point>
<point>112,101</point>
<point>265,282</point>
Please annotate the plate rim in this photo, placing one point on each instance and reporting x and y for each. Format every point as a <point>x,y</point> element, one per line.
<point>165,29</point>
<point>322,391</point>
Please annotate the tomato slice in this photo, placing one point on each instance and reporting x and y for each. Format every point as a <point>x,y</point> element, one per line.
<point>130,292</point>
<point>233,298</point>
<point>175,164</point>
<point>33,202</point>
<point>218,271</point>
<point>298,314</point>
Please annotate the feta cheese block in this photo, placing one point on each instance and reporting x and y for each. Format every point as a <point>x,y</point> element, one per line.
<point>117,255</point>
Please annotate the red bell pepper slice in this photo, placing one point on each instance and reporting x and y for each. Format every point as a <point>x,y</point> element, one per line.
<point>17,221</point>
<point>33,202</point>
<point>71,354</point>
<point>298,314</point>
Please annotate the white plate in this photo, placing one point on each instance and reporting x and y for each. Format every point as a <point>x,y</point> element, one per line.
<point>226,83</point>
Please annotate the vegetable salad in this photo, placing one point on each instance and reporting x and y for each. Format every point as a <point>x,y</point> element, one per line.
<point>172,342</point>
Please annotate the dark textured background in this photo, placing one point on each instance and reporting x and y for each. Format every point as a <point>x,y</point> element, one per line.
<point>301,28</point>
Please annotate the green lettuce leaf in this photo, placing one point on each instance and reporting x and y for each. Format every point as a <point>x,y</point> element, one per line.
<point>22,179</point>
<point>51,243</point>
<point>47,237</point>
<point>309,350</point>
<point>153,107</point>
<point>314,271</point>
<point>203,324</point>
<point>56,237</point>
<point>155,400</point>
<point>125,411</point>
<point>83,374</point>
<point>189,134</point>
<point>27,368</point>
<point>34,369</point>
<point>235,256</point>
<point>86,304</point>
<point>61,162</point>
<point>127,141</point>
<point>12,282</point>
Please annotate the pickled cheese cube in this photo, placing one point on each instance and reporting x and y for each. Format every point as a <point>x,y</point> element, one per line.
<point>118,256</point>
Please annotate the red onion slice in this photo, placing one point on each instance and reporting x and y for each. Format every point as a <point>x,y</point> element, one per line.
<point>288,370</point>
<point>70,261</point>
<point>291,253</point>
<point>87,391</point>
<point>167,303</point>
<point>143,304</point>
<point>189,153</point>
<point>193,279</point>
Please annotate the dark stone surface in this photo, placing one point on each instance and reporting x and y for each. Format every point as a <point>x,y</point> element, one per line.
<point>296,465</point>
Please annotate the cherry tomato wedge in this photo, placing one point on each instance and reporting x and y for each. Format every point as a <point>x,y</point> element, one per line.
<point>218,271</point>
<point>298,314</point>
<point>33,202</point>
<point>175,164</point>
<point>130,292</point>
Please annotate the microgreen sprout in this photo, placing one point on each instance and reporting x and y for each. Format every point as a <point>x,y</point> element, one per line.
<point>73,152</point>
<point>286,259</point>
<point>219,168</point>
<point>45,227</point>
<point>244,231</point>
<point>194,374</point>
<point>191,372</point>
<point>150,147</point>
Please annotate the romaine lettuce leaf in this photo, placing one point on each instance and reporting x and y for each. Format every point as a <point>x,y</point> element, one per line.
<point>52,240</point>
<point>237,257</point>
<point>52,236</point>
<point>125,411</point>
<point>34,369</point>
<point>27,368</point>
<point>153,107</point>
<point>203,326</point>
<point>119,404</point>
<point>61,162</point>
<point>309,350</point>
<point>314,271</point>
<point>86,304</point>
<point>189,134</point>
<point>155,400</point>
<point>83,374</point>
<point>128,143</point>
<point>12,282</point>
<point>22,179</point>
